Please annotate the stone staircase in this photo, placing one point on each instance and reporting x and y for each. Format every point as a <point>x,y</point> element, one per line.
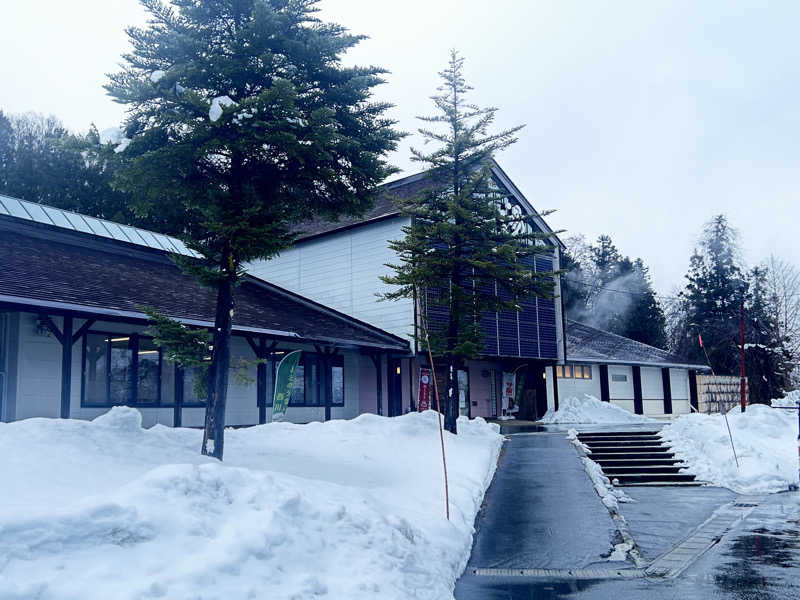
<point>636,458</point>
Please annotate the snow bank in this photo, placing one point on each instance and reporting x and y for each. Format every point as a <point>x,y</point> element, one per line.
<point>766,444</point>
<point>589,410</point>
<point>344,509</point>
<point>790,401</point>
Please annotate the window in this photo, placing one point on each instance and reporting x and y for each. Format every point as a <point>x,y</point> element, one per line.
<point>120,369</point>
<point>574,371</point>
<point>619,378</point>
<point>318,377</point>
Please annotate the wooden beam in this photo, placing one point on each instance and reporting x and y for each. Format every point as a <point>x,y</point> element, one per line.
<point>82,330</point>
<point>52,327</point>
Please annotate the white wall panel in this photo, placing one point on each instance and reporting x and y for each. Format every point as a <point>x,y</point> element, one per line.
<point>652,384</point>
<point>342,270</point>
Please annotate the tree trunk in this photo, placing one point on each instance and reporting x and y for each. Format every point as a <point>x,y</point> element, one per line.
<point>214,435</point>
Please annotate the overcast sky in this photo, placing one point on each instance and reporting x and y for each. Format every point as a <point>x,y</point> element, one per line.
<point>643,119</point>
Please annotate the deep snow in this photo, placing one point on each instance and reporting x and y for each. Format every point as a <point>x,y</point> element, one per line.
<point>765,440</point>
<point>344,509</point>
<point>589,410</point>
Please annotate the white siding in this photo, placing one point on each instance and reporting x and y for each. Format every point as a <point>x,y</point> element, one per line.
<point>342,270</point>
<point>574,388</point>
<point>621,392</point>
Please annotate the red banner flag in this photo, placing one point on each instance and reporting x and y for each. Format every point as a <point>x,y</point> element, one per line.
<point>700,339</point>
<point>424,395</point>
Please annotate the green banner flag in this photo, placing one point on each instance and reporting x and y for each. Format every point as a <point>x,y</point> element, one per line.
<point>284,382</point>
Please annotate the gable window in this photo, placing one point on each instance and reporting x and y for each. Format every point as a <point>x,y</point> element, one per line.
<point>574,371</point>
<point>120,369</point>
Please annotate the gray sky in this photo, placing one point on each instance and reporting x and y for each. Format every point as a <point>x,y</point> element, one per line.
<point>643,118</point>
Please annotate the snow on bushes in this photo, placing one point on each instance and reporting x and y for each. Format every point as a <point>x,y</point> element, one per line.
<point>765,440</point>
<point>589,410</point>
<point>344,509</point>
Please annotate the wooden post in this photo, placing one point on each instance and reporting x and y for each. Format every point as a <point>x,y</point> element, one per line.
<point>605,388</point>
<point>377,360</point>
<point>638,405</point>
<point>177,411</point>
<point>667,385</point>
<point>66,366</point>
<point>693,390</point>
<point>555,388</point>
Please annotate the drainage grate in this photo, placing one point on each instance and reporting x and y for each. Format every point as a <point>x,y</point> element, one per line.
<point>562,573</point>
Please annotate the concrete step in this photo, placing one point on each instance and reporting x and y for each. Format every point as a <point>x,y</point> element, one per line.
<point>621,440</point>
<point>621,443</point>
<point>632,450</point>
<point>617,433</point>
<point>632,462</point>
<point>600,456</point>
<point>641,469</point>
<point>651,477</point>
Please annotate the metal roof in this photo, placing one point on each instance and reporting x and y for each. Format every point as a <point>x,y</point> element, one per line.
<point>65,219</point>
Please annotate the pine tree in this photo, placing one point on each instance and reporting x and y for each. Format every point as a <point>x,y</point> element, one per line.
<point>460,243</point>
<point>767,357</point>
<point>713,296</point>
<point>241,123</point>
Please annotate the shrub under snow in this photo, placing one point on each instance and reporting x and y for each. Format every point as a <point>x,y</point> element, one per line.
<point>344,509</point>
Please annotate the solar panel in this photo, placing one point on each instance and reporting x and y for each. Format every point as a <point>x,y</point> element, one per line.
<point>65,219</point>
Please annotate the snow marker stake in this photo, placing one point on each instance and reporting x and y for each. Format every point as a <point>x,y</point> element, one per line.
<point>439,413</point>
<point>719,401</point>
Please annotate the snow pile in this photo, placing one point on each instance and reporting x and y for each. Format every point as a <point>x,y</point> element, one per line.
<point>790,401</point>
<point>217,104</point>
<point>765,440</point>
<point>344,509</point>
<point>590,410</point>
<point>157,75</point>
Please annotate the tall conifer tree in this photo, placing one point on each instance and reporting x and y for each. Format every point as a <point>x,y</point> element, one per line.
<point>460,243</point>
<point>242,122</point>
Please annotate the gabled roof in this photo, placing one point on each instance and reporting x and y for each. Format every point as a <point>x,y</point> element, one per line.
<point>387,205</point>
<point>60,269</point>
<point>592,345</point>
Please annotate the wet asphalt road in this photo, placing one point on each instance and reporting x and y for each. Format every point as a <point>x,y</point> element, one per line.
<point>550,519</point>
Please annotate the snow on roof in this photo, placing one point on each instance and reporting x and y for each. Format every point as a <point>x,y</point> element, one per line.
<point>65,219</point>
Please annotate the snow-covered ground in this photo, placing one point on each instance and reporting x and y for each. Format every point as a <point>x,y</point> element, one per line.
<point>344,509</point>
<point>765,440</point>
<point>589,410</point>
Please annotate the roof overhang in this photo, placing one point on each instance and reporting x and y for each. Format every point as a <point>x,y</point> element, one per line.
<point>604,361</point>
<point>86,311</point>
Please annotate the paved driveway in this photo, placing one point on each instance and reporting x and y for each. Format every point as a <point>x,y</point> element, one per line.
<point>542,513</point>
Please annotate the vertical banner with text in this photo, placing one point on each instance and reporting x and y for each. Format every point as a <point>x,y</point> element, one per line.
<point>284,382</point>
<point>509,392</point>
<point>424,395</point>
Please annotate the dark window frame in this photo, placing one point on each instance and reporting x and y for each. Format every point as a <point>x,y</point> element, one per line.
<point>318,360</point>
<point>133,387</point>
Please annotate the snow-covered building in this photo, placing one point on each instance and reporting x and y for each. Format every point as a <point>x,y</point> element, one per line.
<point>73,340</point>
<point>340,264</point>
<point>640,378</point>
